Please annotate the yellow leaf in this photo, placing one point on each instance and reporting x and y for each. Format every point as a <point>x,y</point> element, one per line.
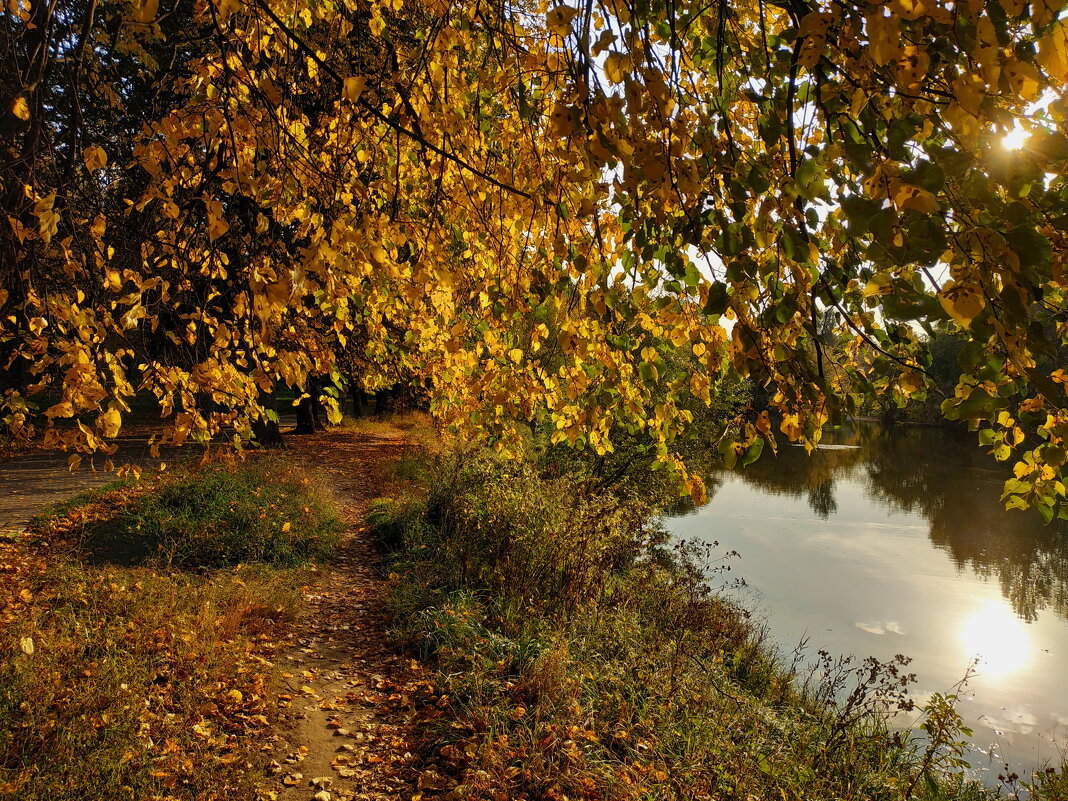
<point>962,302</point>
<point>562,120</point>
<point>217,226</point>
<point>697,491</point>
<point>912,9</point>
<point>61,409</point>
<point>20,108</point>
<point>376,24</point>
<point>145,12</point>
<point>354,88</point>
<point>1053,52</point>
<point>654,168</point>
<point>763,422</point>
<point>615,65</point>
<point>95,158</point>
<point>235,696</point>
<point>790,426</point>
<point>111,422</point>
<point>603,41</point>
<point>970,89</point>
<point>883,37</point>
<point>878,285</point>
<point>26,645</point>
<point>378,255</point>
<point>286,527</point>
<point>48,224</point>
<point>1023,78</point>
<point>559,19</point>
<point>907,196</point>
<point>516,355</point>
<point>912,65</point>
<point>1044,11</point>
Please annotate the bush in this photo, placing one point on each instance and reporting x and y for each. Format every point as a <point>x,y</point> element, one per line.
<point>218,515</point>
<point>550,544</point>
<point>580,657</point>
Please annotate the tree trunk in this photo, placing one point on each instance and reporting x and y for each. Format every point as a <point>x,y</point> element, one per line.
<point>268,434</point>
<point>306,417</point>
<point>308,421</point>
<point>382,402</point>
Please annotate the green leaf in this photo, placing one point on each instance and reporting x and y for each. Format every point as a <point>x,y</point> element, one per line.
<point>717,299</point>
<point>752,453</point>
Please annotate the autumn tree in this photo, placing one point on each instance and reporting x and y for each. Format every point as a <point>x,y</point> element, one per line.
<point>530,209</point>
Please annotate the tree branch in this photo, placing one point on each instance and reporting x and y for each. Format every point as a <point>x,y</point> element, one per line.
<point>378,115</point>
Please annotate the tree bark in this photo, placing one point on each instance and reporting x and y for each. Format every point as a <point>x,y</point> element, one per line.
<point>305,417</point>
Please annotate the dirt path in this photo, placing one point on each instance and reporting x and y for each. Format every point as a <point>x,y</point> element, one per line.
<point>345,714</point>
<point>345,704</point>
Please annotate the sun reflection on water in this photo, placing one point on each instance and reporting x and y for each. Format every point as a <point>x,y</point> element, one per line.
<point>997,638</point>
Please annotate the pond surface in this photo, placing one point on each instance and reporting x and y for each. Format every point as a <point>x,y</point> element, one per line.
<point>892,541</point>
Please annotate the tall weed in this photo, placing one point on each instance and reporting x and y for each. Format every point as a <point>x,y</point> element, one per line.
<point>582,657</point>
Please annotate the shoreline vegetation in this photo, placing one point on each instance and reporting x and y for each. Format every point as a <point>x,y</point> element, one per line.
<point>584,656</point>
<point>575,651</point>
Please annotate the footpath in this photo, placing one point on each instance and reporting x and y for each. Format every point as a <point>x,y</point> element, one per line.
<point>345,722</point>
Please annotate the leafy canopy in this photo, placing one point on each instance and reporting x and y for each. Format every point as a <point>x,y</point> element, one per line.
<point>532,210</point>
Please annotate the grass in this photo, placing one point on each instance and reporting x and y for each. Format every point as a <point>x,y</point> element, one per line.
<point>215,516</point>
<point>578,656</point>
<point>140,680</point>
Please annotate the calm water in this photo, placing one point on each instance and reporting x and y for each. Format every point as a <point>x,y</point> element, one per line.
<point>893,541</point>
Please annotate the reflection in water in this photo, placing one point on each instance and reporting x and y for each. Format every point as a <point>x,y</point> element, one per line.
<point>947,479</point>
<point>794,473</point>
<point>997,638</point>
<point>893,541</point>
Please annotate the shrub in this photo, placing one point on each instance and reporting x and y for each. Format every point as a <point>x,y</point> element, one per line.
<point>580,657</point>
<point>218,515</point>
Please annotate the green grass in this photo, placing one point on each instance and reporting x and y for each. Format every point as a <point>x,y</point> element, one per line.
<point>215,516</point>
<point>578,656</point>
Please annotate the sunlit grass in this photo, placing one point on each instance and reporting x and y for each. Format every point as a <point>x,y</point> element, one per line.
<point>135,680</point>
<point>581,657</point>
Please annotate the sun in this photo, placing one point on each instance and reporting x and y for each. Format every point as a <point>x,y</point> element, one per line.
<point>997,638</point>
<point>1015,139</point>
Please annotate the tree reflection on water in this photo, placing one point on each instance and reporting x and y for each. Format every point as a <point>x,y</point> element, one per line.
<point>942,476</point>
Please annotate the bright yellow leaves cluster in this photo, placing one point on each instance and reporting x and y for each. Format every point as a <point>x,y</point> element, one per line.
<point>580,216</point>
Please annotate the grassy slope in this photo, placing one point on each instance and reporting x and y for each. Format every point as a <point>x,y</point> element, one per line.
<point>138,679</point>
<point>578,657</point>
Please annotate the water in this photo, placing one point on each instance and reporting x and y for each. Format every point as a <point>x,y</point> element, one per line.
<point>893,541</point>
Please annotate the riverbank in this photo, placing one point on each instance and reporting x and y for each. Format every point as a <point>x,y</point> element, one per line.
<point>582,657</point>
